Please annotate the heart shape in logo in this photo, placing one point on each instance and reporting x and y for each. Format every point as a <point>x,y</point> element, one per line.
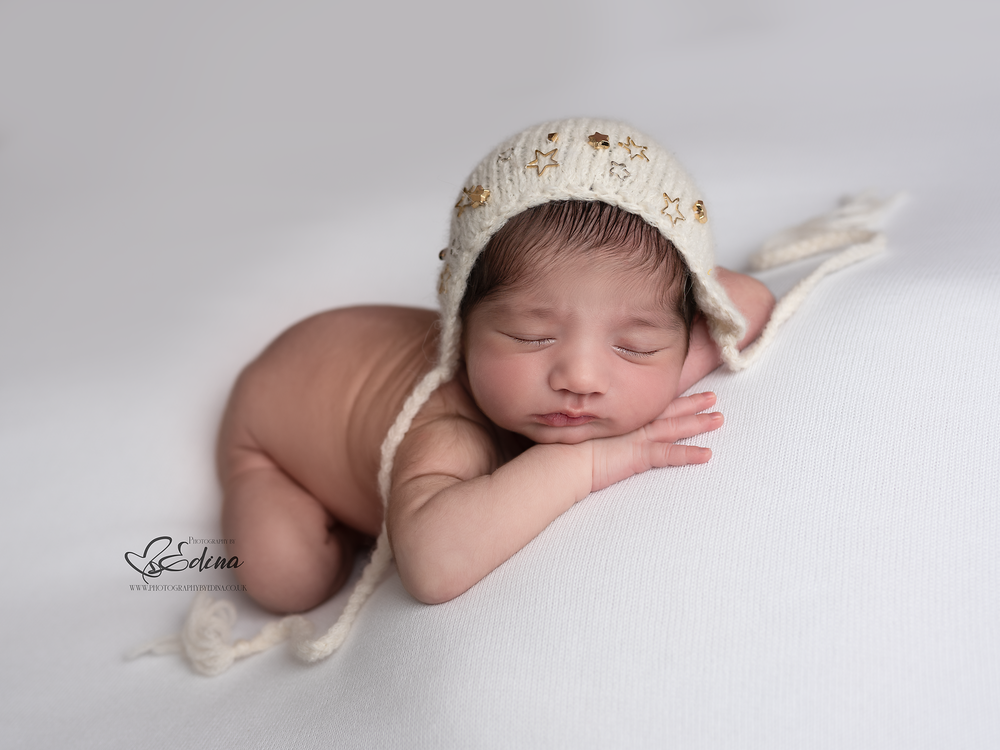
<point>149,567</point>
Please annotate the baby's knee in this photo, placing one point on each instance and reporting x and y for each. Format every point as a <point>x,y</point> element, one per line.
<point>290,560</point>
<point>286,574</point>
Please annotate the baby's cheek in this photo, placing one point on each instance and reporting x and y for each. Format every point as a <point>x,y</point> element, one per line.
<point>495,384</point>
<point>504,381</point>
<point>651,392</point>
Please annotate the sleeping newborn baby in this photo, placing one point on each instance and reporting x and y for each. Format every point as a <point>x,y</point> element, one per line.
<point>579,301</point>
<point>580,332</point>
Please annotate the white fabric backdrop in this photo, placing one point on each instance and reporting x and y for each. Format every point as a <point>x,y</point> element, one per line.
<point>178,183</point>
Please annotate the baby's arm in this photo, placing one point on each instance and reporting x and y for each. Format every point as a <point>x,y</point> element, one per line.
<point>752,298</point>
<point>450,528</point>
<point>456,514</point>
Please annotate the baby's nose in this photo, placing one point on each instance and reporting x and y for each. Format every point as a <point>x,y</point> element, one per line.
<point>578,372</point>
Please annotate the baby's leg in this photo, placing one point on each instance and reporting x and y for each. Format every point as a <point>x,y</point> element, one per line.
<point>293,554</point>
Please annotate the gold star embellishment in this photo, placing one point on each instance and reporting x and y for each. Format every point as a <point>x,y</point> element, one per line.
<point>542,167</point>
<point>672,207</point>
<point>598,140</point>
<point>472,198</point>
<point>639,150</point>
<point>619,171</point>
<point>505,155</point>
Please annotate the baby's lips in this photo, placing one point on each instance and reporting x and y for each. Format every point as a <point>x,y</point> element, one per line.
<point>561,419</point>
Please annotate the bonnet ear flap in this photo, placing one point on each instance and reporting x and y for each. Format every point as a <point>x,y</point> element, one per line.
<point>854,226</point>
<point>726,324</point>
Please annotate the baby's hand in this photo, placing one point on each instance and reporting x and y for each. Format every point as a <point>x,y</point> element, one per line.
<point>616,458</point>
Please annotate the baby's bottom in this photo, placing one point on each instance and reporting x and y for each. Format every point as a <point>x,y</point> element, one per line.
<point>293,553</point>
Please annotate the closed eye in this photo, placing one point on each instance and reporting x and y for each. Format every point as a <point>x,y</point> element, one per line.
<point>532,342</point>
<point>633,353</point>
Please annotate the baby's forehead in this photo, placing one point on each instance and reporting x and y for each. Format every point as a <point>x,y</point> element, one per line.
<point>626,311</point>
<point>642,279</point>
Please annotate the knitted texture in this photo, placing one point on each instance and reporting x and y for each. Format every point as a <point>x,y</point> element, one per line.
<point>590,160</point>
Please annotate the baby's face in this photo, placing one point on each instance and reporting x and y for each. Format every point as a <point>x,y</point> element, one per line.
<point>587,350</point>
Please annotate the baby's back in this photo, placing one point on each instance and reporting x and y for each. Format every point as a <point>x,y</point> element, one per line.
<point>320,399</point>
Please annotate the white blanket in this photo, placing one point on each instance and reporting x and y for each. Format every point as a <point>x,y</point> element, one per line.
<point>179,184</point>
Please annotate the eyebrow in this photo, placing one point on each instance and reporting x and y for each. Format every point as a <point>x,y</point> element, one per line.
<point>545,313</point>
<point>673,322</point>
<point>638,321</point>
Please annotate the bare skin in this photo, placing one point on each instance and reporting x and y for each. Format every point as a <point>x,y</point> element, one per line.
<point>299,450</point>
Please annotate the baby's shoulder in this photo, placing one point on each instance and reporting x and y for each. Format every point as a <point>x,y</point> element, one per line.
<point>451,436</point>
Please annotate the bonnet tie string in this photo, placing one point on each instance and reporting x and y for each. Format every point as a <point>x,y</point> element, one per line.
<point>855,226</point>
<point>206,638</point>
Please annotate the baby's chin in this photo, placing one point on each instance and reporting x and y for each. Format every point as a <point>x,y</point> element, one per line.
<point>559,439</point>
<point>572,435</point>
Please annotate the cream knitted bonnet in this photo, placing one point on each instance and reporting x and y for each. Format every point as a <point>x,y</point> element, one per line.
<point>577,159</point>
<point>590,160</point>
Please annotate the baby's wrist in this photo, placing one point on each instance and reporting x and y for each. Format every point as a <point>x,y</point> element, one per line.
<point>570,466</point>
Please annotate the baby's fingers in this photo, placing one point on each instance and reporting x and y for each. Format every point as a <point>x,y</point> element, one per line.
<point>677,428</point>
<point>687,405</point>
<point>666,454</point>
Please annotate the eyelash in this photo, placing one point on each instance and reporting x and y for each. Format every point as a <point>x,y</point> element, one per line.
<point>630,352</point>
